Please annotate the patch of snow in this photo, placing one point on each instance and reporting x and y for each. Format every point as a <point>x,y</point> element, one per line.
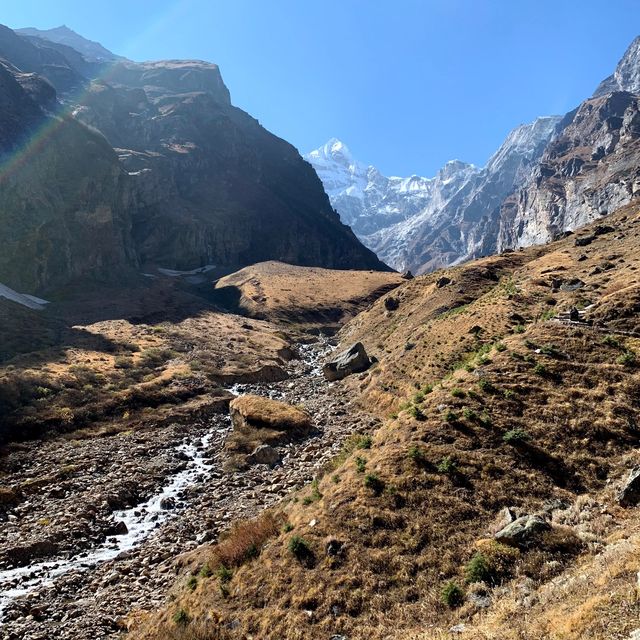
<point>25,299</point>
<point>174,273</point>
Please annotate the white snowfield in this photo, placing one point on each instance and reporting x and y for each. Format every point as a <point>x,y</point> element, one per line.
<point>175,274</point>
<point>26,300</point>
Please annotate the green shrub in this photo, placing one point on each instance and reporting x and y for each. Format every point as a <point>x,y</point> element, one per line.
<point>501,346</point>
<point>364,442</point>
<point>361,464</point>
<point>299,547</point>
<point>519,329</point>
<point>457,393</point>
<point>415,453</point>
<point>205,571</point>
<point>287,527</point>
<point>540,370</point>
<point>508,394</point>
<point>516,436</point>
<point>417,413</point>
<point>469,414</point>
<point>486,386</point>
<point>224,574</point>
<point>627,359</point>
<point>373,482</point>
<point>452,594</point>
<point>192,583</point>
<point>447,465</point>
<point>181,617</point>
<point>451,417</point>
<point>477,569</point>
<point>611,341</point>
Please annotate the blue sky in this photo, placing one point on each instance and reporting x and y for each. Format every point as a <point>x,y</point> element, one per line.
<point>407,84</point>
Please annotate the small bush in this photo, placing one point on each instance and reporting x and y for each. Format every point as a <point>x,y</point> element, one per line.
<point>518,328</point>
<point>457,393</point>
<point>452,594</point>
<point>611,341</point>
<point>373,482</point>
<point>224,574</point>
<point>451,417</point>
<point>627,359</point>
<point>415,453</point>
<point>540,370</point>
<point>205,571</point>
<point>181,617</point>
<point>469,414</point>
<point>364,442</point>
<point>477,569</point>
<point>501,346</point>
<point>287,527</point>
<point>192,583</point>
<point>299,547</point>
<point>486,386</point>
<point>361,464</point>
<point>516,436</point>
<point>315,494</point>
<point>447,466</point>
<point>417,413</point>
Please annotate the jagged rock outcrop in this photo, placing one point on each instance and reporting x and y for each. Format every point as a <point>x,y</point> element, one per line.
<point>626,77</point>
<point>589,170</point>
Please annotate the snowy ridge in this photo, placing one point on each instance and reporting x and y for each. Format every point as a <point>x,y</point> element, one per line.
<point>423,223</point>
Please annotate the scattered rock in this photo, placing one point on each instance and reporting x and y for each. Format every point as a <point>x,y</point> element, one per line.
<point>584,240</point>
<point>505,517</point>
<point>522,531</point>
<point>572,285</point>
<point>334,547</point>
<point>442,281</point>
<point>629,495</point>
<point>601,229</point>
<point>391,303</point>
<point>264,454</point>
<point>407,275</point>
<point>353,360</point>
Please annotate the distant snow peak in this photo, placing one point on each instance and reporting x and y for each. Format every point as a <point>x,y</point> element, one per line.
<point>421,223</point>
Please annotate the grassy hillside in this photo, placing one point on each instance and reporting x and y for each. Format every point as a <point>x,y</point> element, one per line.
<point>492,400</point>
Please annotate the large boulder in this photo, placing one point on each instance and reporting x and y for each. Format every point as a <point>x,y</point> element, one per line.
<point>522,531</point>
<point>629,495</point>
<point>264,454</point>
<point>277,421</point>
<point>353,360</point>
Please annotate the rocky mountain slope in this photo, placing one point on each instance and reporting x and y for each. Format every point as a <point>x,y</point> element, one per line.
<point>426,223</point>
<point>507,388</point>
<point>179,178</point>
<point>550,176</point>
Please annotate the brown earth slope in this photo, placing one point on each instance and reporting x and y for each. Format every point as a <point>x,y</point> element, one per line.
<point>493,399</point>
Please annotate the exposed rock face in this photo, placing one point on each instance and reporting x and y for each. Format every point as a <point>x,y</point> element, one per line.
<point>423,224</point>
<point>590,169</point>
<point>626,77</point>
<point>64,205</point>
<point>522,531</point>
<point>353,360</point>
<point>629,495</point>
<point>195,181</point>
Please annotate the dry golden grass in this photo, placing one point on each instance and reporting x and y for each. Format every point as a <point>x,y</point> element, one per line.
<point>303,295</point>
<point>462,368</point>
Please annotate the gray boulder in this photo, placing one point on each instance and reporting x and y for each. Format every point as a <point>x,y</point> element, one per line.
<point>264,454</point>
<point>353,360</point>
<point>629,495</point>
<point>522,531</point>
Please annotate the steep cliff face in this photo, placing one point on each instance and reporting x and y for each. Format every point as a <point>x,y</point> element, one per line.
<point>63,195</point>
<point>167,174</point>
<point>588,171</point>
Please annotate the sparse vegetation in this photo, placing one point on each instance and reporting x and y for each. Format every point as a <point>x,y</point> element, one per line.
<point>452,594</point>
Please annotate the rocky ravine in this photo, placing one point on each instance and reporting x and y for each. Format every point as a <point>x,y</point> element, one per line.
<point>68,568</point>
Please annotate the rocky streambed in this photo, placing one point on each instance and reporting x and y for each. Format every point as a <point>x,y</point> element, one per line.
<point>96,522</point>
